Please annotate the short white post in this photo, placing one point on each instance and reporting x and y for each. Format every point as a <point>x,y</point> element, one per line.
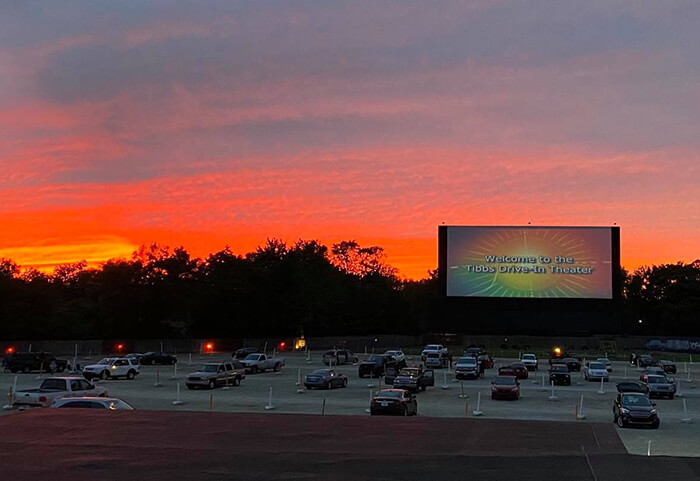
<point>189,362</point>
<point>157,383</point>
<point>11,397</point>
<point>625,375</point>
<point>462,395</point>
<point>161,346</point>
<point>174,371</point>
<point>444,385</point>
<point>298,377</point>
<point>478,412</point>
<point>226,386</point>
<point>544,383</point>
<point>365,350</point>
<point>691,359</point>
<point>601,390</point>
<point>75,360</point>
<point>685,366</point>
<point>649,448</point>
<point>308,356</point>
<point>274,352</point>
<point>30,348</point>
<point>177,401</point>
<point>265,348</point>
<point>580,414</point>
<point>371,396</point>
<point>41,372</point>
<point>690,378</point>
<point>686,419</point>
<point>553,397</point>
<point>269,401</point>
<point>678,390</point>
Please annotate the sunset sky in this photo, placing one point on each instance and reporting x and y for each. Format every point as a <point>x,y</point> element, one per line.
<point>210,123</point>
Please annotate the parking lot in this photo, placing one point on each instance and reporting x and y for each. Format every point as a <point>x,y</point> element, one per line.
<point>674,437</point>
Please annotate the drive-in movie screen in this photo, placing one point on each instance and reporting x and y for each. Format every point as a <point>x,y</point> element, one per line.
<point>529,262</point>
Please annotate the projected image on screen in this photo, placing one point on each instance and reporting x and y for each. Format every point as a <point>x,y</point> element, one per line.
<point>552,262</point>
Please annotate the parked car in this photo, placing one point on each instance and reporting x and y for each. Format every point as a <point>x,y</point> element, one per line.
<point>659,386</point>
<point>255,363</point>
<point>112,367</point>
<point>557,354</point>
<point>412,379</point>
<point>559,374</point>
<point>467,367</point>
<point>433,348</point>
<point>437,360</point>
<point>375,365</point>
<point>505,387</point>
<point>109,403</point>
<point>243,352</point>
<point>645,360</point>
<point>653,370</point>
<point>339,356</point>
<point>136,356</point>
<point>530,362</point>
<point>398,356</point>
<point>668,366</point>
<point>53,388</point>
<point>472,351</point>
<point>573,364</point>
<point>486,360</point>
<point>215,374</point>
<point>595,371</point>
<point>394,401</point>
<point>516,369</point>
<point>632,386</point>
<point>34,361</point>
<point>636,409</point>
<point>158,358</point>
<point>606,362</point>
<point>325,379</point>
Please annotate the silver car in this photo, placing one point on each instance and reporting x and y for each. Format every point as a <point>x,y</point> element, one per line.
<point>660,386</point>
<point>595,371</point>
<point>325,379</point>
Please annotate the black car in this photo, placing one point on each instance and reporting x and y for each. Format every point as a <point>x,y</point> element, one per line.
<point>573,364</point>
<point>632,386</point>
<point>645,360</point>
<point>34,361</point>
<point>559,374</point>
<point>668,367</point>
<point>243,352</point>
<point>394,401</point>
<point>158,358</point>
<point>635,409</point>
<point>375,365</point>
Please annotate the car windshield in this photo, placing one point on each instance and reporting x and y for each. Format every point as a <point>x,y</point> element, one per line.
<point>556,368</point>
<point>434,355</point>
<point>391,353</point>
<point>320,372</point>
<point>251,357</point>
<point>570,359</point>
<point>504,381</point>
<point>210,368</point>
<point>529,357</point>
<point>631,400</point>
<point>466,361</point>
<point>105,361</point>
<point>329,353</point>
<point>597,365</point>
<point>375,359</point>
<point>656,380</point>
<point>392,394</point>
<point>432,347</point>
<point>603,360</point>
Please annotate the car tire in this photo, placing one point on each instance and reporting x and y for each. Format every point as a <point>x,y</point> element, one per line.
<point>26,370</point>
<point>104,375</point>
<point>277,367</point>
<point>329,385</point>
<point>212,384</point>
<point>656,424</point>
<point>620,422</point>
<point>130,375</point>
<point>60,368</point>
<point>236,381</point>
<point>190,386</point>
<point>254,370</point>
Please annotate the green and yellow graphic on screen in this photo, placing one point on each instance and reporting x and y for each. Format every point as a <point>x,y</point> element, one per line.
<point>535,262</point>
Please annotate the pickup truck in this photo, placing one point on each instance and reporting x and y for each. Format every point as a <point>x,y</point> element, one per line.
<point>53,388</point>
<point>434,348</point>
<point>213,374</point>
<point>255,363</point>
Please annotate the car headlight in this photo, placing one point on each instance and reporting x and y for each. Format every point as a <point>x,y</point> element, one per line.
<point>624,411</point>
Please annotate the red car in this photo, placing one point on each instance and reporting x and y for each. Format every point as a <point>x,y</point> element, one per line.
<point>486,360</point>
<point>505,387</point>
<point>517,369</point>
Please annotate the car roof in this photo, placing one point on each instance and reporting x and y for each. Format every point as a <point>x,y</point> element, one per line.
<point>88,398</point>
<point>68,378</point>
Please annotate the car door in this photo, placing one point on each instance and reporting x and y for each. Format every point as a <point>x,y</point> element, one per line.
<point>390,375</point>
<point>428,377</point>
<point>122,367</point>
<point>86,388</point>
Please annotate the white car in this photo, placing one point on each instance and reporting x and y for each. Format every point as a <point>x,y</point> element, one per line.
<point>398,356</point>
<point>605,361</point>
<point>112,367</point>
<point>110,403</point>
<point>530,361</point>
<point>433,349</point>
<point>595,371</point>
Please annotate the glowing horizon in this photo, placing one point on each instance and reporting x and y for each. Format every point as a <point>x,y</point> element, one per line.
<point>131,123</point>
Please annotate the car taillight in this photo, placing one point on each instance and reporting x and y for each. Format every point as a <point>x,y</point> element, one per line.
<point>42,399</point>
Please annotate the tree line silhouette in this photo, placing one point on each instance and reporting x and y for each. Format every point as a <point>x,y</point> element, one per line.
<point>277,290</point>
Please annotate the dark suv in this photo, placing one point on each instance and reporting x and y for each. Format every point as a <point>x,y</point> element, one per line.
<point>635,409</point>
<point>34,361</point>
<point>375,365</point>
<point>559,374</point>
